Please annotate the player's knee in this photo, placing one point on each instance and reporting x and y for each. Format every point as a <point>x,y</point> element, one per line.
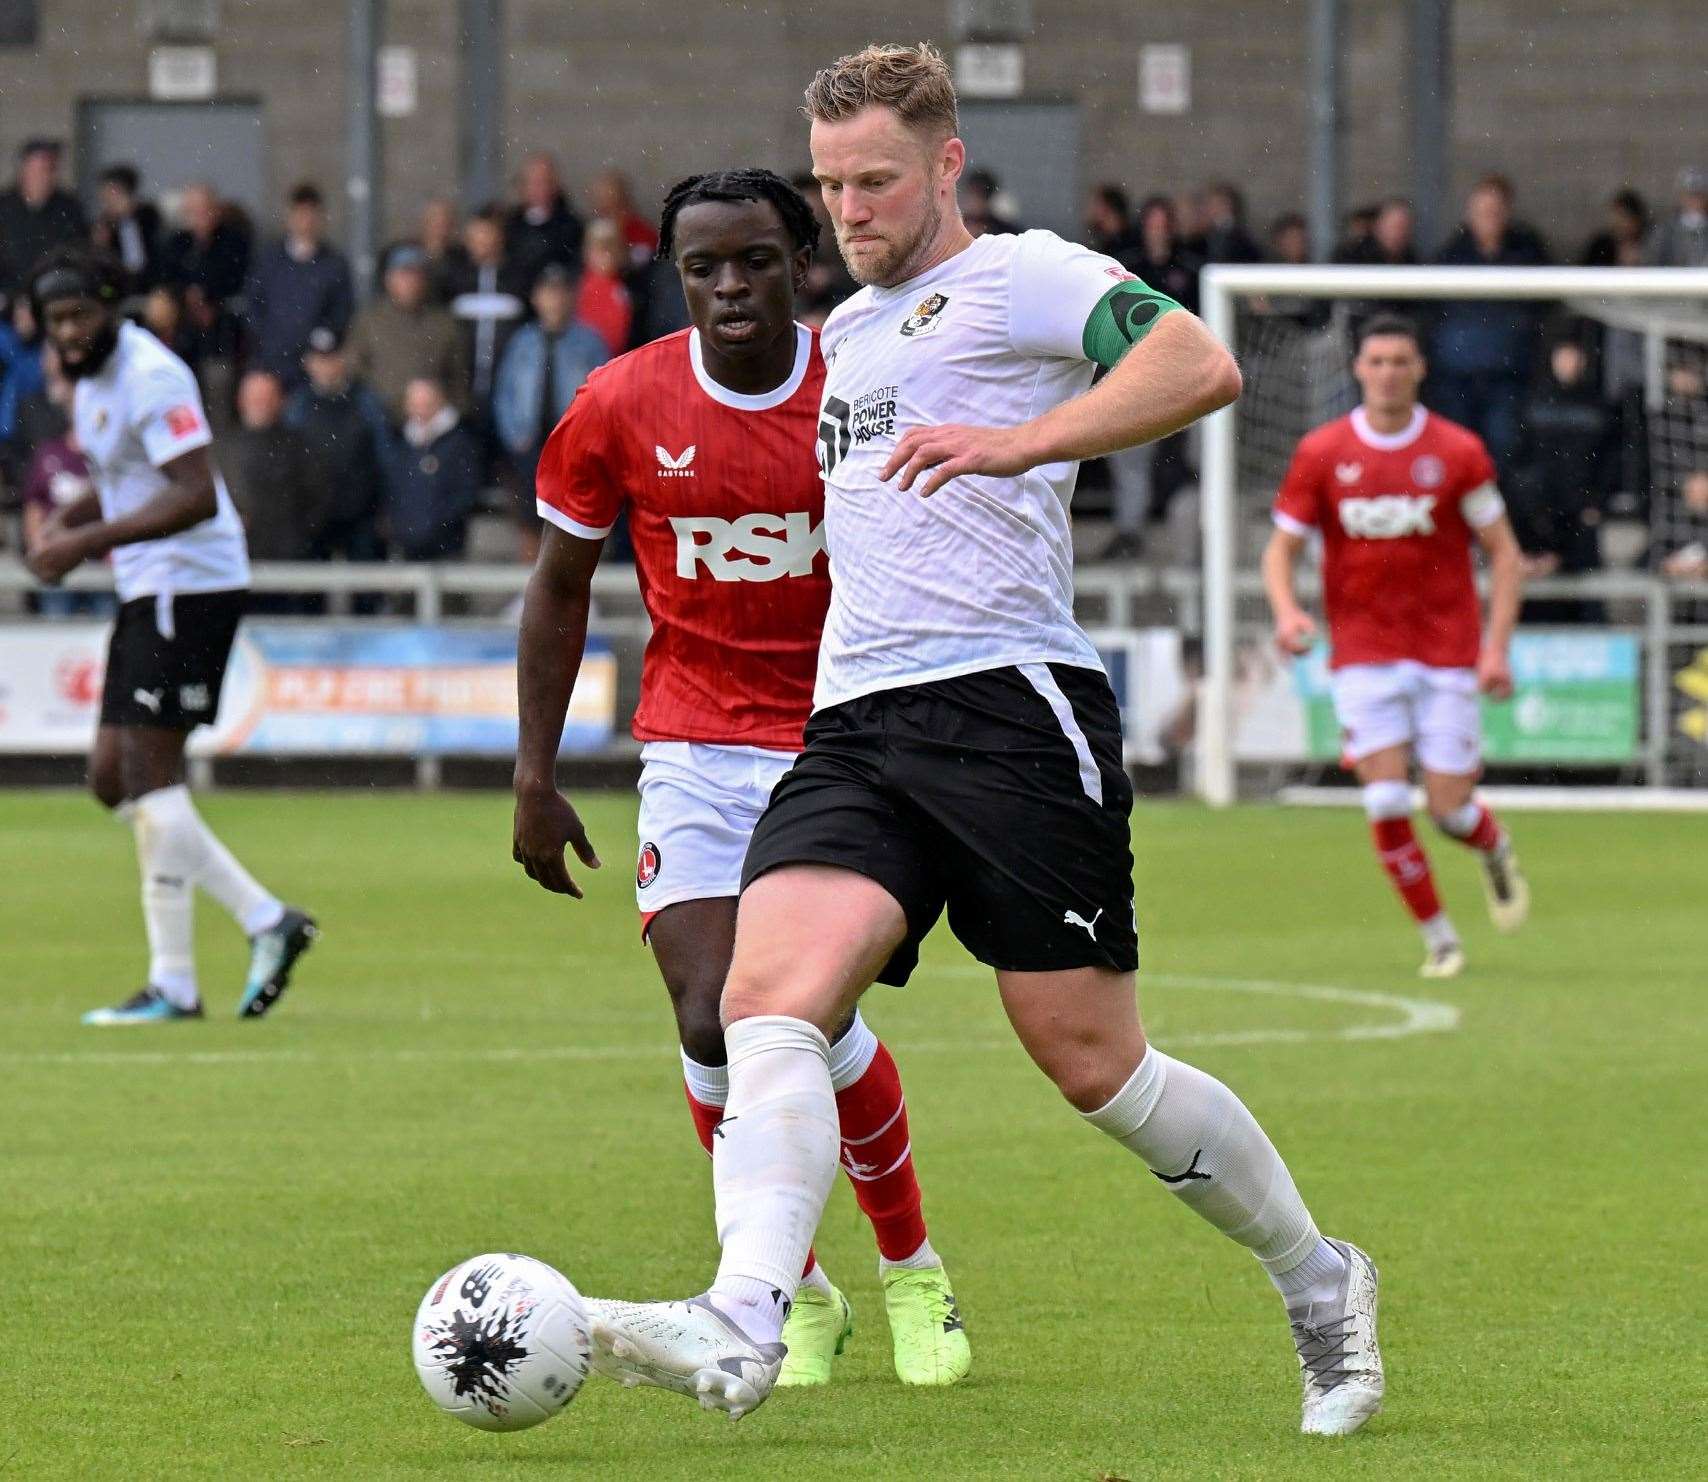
<point>1089,1068</point>
<point>698,1027</point>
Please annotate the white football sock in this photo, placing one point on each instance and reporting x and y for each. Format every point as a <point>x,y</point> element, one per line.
<point>209,863</point>
<point>1195,1135</point>
<point>852,1055</point>
<point>773,1162</point>
<point>817,1280</point>
<point>707,1084</point>
<point>923,1259</point>
<point>1439,931</point>
<point>167,862</point>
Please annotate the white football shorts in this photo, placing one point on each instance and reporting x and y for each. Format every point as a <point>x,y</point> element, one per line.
<point>1433,710</point>
<point>698,806</point>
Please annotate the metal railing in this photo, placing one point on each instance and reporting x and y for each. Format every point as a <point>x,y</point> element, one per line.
<point>1108,596</point>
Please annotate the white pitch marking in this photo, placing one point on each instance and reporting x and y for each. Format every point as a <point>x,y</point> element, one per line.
<point>1416,1016</point>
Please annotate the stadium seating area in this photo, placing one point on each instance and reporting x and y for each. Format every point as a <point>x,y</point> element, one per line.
<point>351,415</point>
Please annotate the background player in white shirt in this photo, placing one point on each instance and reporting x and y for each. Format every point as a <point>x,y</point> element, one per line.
<point>965,752</point>
<point>160,509</point>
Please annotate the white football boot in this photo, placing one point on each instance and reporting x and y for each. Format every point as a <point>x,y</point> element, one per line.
<point>689,1347</point>
<point>1444,961</point>
<point>1340,1364</point>
<point>1505,888</point>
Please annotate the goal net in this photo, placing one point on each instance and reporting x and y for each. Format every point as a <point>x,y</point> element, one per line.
<point>1611,662</point>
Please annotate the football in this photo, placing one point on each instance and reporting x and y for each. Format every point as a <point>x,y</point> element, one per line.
<point>501,1342</point>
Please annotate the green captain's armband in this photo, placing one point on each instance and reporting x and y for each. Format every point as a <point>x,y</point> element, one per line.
<point>1122,317</point>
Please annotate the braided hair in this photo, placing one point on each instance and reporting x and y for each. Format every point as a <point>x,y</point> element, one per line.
<point>739,185</point>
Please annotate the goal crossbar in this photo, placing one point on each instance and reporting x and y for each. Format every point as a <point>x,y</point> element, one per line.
<point>1220,289</point>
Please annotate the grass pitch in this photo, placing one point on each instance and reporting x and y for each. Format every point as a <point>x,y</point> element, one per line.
<point>213,1236</point>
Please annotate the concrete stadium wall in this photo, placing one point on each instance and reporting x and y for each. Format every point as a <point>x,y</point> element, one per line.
<point>1572,98</point>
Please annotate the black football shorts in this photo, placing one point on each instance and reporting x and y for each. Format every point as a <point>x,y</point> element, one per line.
<point>166,659</point>
<point>999,796</point>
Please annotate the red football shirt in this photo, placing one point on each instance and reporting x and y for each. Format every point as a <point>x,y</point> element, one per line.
<point>1396,514</point>
<point>726,512</point>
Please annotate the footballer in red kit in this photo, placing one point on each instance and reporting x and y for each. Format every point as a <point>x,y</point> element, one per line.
<point>706,439</point>
<point>1399,498</point>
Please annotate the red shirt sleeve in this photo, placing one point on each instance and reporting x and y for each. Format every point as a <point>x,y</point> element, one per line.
<point>1298,505</point>
<point>578,484</point>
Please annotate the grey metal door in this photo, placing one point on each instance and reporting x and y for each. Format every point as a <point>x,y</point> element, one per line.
<point>177,144</point>
<point>1033,149</point>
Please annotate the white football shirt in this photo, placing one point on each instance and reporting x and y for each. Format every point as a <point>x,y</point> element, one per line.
<point>980,575</point>
<point>140,412</point>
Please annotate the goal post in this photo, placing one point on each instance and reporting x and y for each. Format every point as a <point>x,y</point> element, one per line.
<point>1654,303</point>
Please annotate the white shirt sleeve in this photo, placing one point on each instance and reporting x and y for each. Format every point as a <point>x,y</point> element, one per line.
<point>167,415</point>
<point>1482,506</point>
<point>1053,287</point>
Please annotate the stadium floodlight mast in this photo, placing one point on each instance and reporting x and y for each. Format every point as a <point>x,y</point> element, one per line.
<point>1222,288</point>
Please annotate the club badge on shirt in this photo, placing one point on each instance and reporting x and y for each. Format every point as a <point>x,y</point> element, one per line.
<point>925,317</point>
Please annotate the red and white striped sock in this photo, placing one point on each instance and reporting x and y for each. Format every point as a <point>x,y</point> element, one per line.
<point>877,1152</point>
<point>1387,804</point>
<point>1474,826</point>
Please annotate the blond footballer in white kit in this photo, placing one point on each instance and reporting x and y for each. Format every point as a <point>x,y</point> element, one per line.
<point>965,749</point>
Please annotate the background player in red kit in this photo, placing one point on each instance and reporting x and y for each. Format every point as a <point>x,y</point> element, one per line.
<point>1397,495</point>
<point>707,439</point>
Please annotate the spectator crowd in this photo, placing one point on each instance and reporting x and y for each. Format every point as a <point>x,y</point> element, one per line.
<point>361,425</point>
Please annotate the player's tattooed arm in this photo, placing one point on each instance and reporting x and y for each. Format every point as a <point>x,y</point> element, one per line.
<point>189,498</point>
<point>552,639</point>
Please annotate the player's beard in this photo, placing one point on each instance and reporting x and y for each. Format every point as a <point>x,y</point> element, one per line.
<point>900,260</point>
<point>90,362</point>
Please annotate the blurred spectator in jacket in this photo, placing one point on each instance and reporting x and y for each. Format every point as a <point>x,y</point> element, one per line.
<point>58,476</point>
<point>1359,228</point>
<point>434,477</point>
<point>1225,236</point>
<point>1161,256</point>
<point>544,364</point>
<point>1390,242</point>
<point>21,373</point>
<point>614,201</point>
<point>986,208</point>
<point>40,416</point>
<point>1681,241</point>
<point>489,299</point>
<point>345,430</point>
<point>1566,469</point>
<point>1621,243</point>
<point>1109,224</point>
<point>1483,351</point>
<point>403,336</point>
<point>163,317</point>
<point>128,227</point>
<point>1680,547</point>
<point>1290,245</point>
<point>440,238</point>
<point>273,479</point>
<point>36,213</point>
<point>301,281</point>
<point>602,300</point>
<point>210,250</point>
<point>1145,479</point>
<point>542,226</point>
